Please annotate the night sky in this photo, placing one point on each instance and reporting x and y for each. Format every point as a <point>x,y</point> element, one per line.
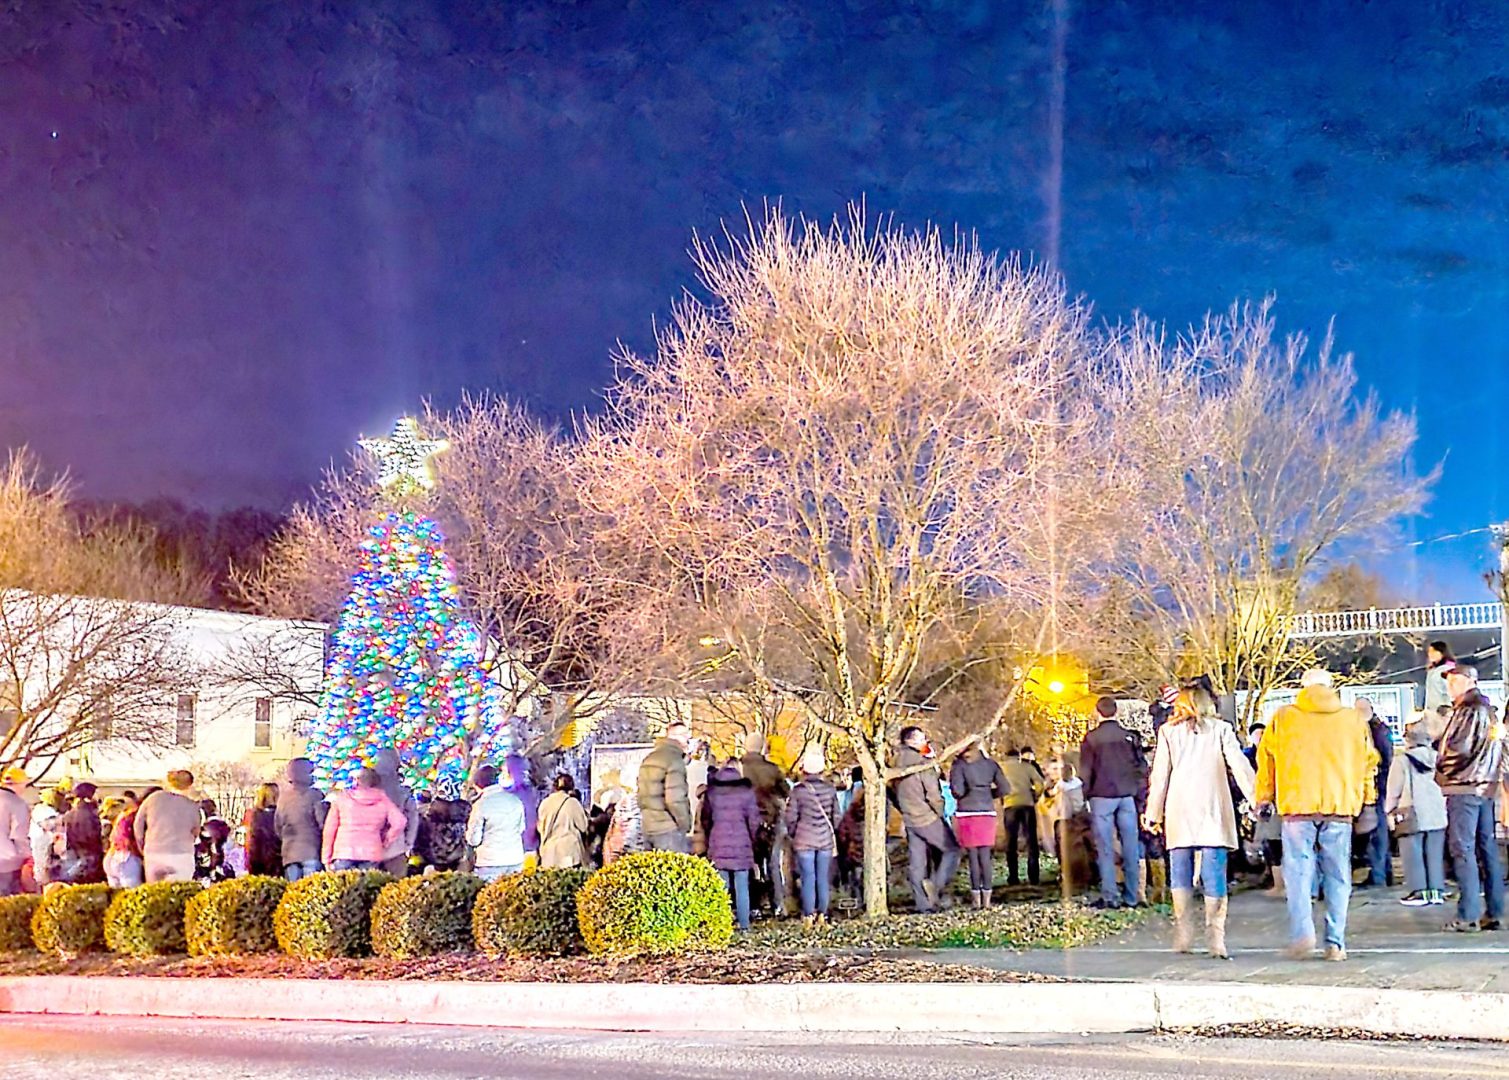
<point>236,235</point>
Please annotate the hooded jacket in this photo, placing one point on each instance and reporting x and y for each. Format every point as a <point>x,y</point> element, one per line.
<point>496,828</point>
<point>299,819</point>
<point>1412,783</point>
<point>15,831</point>
<point>977,782</point>
<point>401,843</point>
<point>919,796</point>
<point>731,816</point>
<point>1472,748</point>
<point>664,803</point>
<point>360,826</point>
<point>1317,758</point>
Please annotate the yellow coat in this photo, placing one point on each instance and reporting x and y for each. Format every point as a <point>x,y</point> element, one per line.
<point>1317,757</point>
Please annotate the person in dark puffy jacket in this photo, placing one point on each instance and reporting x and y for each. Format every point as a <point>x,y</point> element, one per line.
<point>977,782</point>
<point>83,858</point>
<point>812,828</point>
<point>731,818</point>
<point>300,820</point>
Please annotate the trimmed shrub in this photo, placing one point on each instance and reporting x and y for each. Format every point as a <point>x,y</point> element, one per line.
<point>530,914</point>
<point>234,918</point>
<point>148,920</point>
<point>655,902</point>
<point>15,922</point>
<point>327,915</point>
<point>423,916</point>
<point>71,919</point>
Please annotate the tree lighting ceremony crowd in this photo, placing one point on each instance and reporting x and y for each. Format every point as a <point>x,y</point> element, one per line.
<point>1319,782</point>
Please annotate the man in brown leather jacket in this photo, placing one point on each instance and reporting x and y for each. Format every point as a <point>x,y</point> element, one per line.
<point>1469,769</point>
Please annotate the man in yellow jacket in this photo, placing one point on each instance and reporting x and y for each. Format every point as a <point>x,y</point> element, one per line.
<point>1316,764</point>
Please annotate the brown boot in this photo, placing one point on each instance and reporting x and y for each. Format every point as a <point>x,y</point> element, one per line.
<point>1215,927</point>
<point>1184,920</point>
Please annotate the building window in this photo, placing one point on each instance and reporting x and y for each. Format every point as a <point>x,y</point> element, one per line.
<point>185,732</point>
<point>262,727</point>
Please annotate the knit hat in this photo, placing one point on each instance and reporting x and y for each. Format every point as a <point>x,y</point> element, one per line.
<point>448,787</point>
<point>84,790</point>
<point>814,761</point>
<point>15,775</point>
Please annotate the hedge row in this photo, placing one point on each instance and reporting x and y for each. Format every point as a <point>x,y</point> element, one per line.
<point>643,903</point>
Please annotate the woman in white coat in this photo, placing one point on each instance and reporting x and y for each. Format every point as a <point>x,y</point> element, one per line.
<point>1189,797</point>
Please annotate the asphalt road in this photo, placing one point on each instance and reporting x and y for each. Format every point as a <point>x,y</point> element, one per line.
<point>62,1048</point>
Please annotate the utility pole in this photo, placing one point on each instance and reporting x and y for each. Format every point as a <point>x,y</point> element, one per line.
<point>1501,538</point>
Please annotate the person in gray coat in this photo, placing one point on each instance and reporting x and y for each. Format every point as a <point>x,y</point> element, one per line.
<point>15,843</point>
<point>1416,810</point>
<point>919,797</point>
<point>299,820</point>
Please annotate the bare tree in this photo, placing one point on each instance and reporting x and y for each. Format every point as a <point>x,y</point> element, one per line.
<point>1256,465</point>
<point>860,429</point>
<point>91,643</point>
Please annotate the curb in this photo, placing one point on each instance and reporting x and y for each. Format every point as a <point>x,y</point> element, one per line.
<point>891,1008</point>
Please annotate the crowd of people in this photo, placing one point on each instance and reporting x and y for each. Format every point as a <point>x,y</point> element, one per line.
<point>1130,820</point>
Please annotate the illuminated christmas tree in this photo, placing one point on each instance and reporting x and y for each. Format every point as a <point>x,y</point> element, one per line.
<point>405,668</point>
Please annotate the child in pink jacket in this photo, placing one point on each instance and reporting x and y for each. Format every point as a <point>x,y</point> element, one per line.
<point>359,824</point>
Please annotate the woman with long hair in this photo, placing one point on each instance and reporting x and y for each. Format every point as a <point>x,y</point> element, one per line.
<point>1189,797</point>
<point>264,851</point>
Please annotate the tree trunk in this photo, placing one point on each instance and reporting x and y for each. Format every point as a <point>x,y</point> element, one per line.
<point>877,808</point>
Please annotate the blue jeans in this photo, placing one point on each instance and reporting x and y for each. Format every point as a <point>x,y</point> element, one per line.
<point>355,864</point>
<point>1380,872</point>
<point>1107,818</point>
<point>737,884</point>
<point>296,870</point>
<point>1422,854</point>
<point>1301,836</point>
<point>1475,855</point>
<point>1181,869</point>
<point>815,869</point>
<point>493,873</point>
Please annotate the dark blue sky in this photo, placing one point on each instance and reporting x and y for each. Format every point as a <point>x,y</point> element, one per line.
<point>235,235</point>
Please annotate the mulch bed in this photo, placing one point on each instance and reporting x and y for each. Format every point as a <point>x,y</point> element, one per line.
<point>736,966</point>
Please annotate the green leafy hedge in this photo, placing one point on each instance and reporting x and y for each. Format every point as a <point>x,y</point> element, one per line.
<point>15,922</point>
<point>234,917</point>
<point>423,916</point>
<point>148,920</point>
<point>71,919</point>
<point>328,915</point>
<point>530,914</point>
<point>654,902</point>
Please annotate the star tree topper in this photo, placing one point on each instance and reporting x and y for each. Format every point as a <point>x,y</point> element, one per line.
<point>403,461</point>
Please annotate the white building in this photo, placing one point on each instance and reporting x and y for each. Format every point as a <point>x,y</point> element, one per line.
<point>248,687</point>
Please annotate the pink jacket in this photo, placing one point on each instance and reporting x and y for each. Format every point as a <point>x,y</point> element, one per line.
<point>358,825</point>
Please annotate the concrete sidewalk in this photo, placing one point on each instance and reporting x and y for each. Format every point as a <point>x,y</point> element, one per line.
<point>1389,946</point>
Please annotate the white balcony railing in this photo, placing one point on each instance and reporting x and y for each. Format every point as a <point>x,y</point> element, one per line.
<point>1408,620</point>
